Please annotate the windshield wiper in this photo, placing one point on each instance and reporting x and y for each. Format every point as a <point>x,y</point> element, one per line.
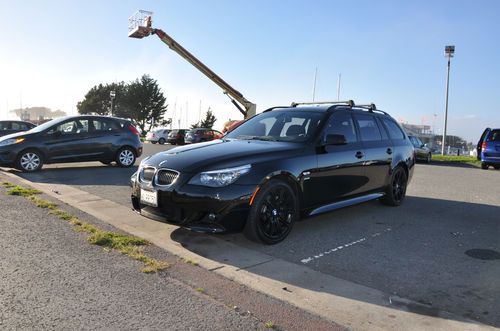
<point>264,138</point>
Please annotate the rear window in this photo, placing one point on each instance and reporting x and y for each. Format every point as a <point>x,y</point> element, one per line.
<point>494,136</point>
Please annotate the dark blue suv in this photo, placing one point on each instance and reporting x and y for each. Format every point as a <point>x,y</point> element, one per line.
<point>488,148</point>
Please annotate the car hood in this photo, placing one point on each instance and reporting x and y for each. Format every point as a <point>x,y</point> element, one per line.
<point>14,135</point>
<point>220,154</point>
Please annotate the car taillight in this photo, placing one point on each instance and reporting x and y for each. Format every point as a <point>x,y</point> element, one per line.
<point>133,129</point>
<point>483,146</point>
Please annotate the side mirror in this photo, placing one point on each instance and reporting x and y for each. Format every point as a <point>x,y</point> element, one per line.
<point>335,139</point>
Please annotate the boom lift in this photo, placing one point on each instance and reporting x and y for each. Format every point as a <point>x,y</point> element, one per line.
<point>140,26</point>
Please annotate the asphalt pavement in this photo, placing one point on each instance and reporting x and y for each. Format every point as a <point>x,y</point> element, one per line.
<point>420,250</point>
<point>52,278</point>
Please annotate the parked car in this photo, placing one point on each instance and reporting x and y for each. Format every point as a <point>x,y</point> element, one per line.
<point>278,165</point>
<point>422,152</point>
<point>488,148</point>
<point>158,136</point>
<point>72,139</point>
<point>176,137</point>
<point>198,135</point>
<point>9,127</point>
<point>231,125</point>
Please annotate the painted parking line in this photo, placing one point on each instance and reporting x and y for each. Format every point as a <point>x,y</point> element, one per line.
<point>341,247</point>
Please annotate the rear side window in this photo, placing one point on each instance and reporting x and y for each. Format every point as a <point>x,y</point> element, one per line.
<point>368,127</point>
<point>342,124</point>
<point>395,131</point>
<point>4,125</point>
<point>494,136</point>
<point>104,125</point>
<point>19,126</point>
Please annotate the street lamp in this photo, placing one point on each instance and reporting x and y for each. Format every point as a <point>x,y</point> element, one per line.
<point>112,95</point>
<point>449,51</point>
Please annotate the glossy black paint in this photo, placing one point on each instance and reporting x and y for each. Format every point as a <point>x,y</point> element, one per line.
<point>319,173</point>
<point>93,145</point>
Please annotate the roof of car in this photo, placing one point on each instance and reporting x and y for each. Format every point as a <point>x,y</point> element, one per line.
<point>323,106</point>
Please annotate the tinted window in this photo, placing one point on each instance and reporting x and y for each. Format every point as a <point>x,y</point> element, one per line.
<point>368,127</point>
<point>494,136</point>
<point>414,141</point>
<point>19,126</point>
<point>74,126</point>
<point>395,131</point>
<point>4,125</point>
<point>104,125</point>
<point>342,124</point>
<point>280,125</point>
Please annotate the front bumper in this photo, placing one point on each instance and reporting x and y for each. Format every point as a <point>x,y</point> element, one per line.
<point>198,208</point>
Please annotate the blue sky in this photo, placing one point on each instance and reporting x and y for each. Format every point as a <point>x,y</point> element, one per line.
<point>388,52</point>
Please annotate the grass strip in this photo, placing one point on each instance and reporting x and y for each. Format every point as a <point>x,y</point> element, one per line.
<point>126,244</point>
<point>456,159</point>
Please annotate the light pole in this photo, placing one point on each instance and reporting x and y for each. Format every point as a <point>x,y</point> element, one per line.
<point>112,95</point>
<point>449,51</point>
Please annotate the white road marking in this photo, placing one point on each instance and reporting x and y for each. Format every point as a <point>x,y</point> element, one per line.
<point>338,248</point>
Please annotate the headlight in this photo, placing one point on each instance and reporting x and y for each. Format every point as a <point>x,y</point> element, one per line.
<point>11,141</point>
<point>220,178</point>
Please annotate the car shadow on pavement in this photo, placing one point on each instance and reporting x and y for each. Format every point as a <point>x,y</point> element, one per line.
<point>80,175</point>
<point>419,251</point>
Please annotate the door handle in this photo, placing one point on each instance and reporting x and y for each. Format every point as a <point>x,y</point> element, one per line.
<point>359,154</point>
<point>389,151</point>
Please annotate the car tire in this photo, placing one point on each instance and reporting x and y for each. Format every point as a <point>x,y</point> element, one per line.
<point>484,166</point>
<point>396,191</point>
<point>125,157</point>
<point>429,158</point>
<point>496,167</point>
<point>273,212</point>
<point>30,160</point>
<point>172,143</point>
<point>153,142</point>
<point>161,141</point>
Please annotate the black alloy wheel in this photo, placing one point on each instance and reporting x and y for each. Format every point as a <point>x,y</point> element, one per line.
<point>161,141</point>
<point>396,191</point>
<point>273,213</point>
<point>484,166</point>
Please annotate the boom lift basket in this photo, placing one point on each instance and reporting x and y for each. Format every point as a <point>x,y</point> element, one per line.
<point>139,24</point>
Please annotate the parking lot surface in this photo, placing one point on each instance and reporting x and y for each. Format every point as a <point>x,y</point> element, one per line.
<point>420,250</point>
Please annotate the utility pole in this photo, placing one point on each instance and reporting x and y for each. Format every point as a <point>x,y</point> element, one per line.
<point>338,87</point>
<point>314,85</point>
<point>449,51</point>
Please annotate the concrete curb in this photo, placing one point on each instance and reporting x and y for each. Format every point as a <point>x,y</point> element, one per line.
<point>345,303</point>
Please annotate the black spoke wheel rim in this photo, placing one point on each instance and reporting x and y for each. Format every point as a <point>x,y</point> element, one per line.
<point>399,185</point>
<point>276,213</point>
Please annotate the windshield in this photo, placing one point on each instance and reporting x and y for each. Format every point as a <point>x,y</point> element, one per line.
<point>46,125</point>
<point>279,125</point>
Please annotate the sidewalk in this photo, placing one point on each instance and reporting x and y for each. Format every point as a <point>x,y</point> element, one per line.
<point>52,278</point>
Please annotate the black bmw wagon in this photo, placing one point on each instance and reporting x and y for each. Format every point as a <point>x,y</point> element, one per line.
<point>278,166</point>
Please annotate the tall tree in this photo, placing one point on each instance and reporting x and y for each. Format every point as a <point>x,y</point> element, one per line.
<point>145,103</point>
<point>208,122</point>
<point>98,100</point>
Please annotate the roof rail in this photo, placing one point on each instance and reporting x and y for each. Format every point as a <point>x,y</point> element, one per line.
<point>371,108</point>
<point>350,103</point>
